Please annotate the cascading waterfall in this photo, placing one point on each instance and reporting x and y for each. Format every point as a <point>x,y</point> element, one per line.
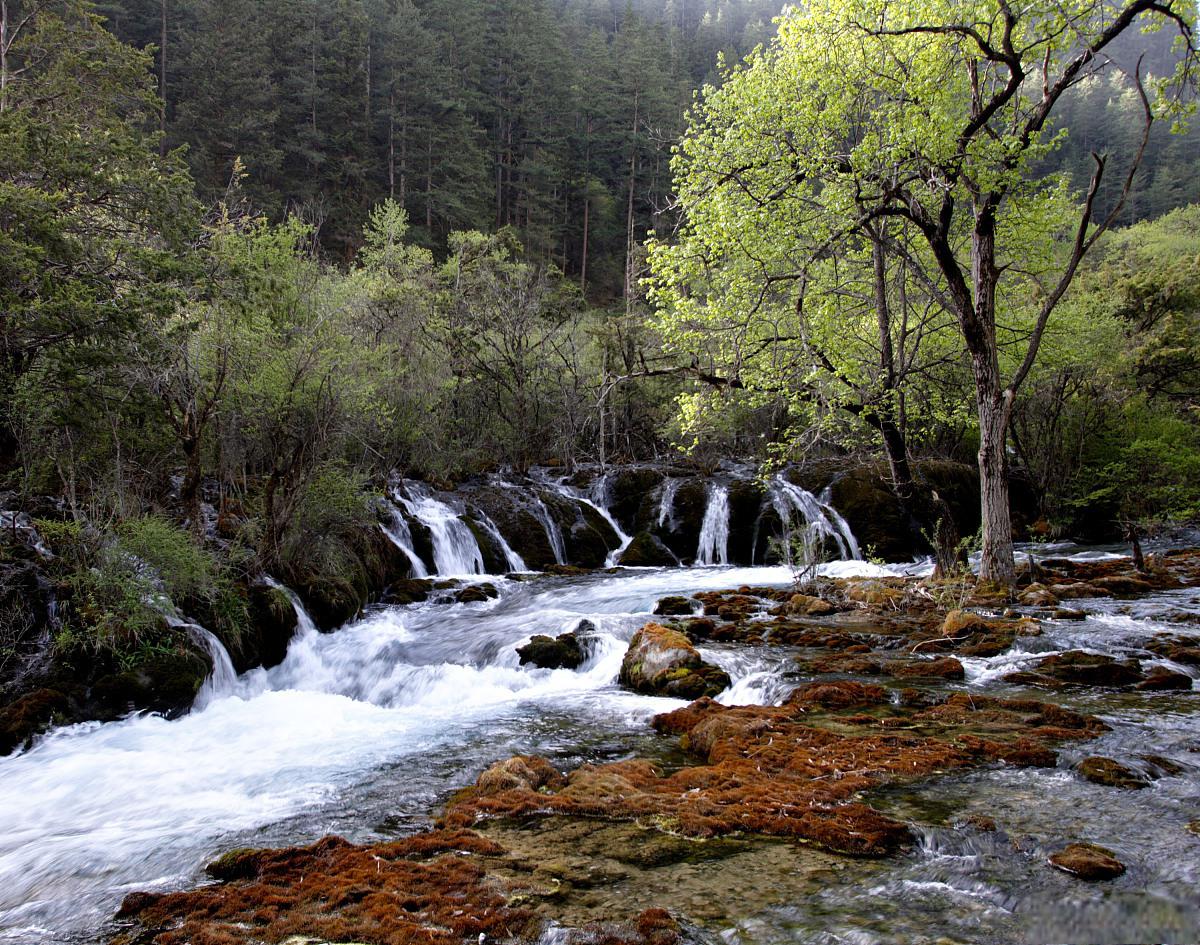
<point>400,535</point>
<point>514,560</point>
<point>598,500</point>
<point>666,503</point>
<point>553,533</point>
<point>455,550</point>
<point>223,679</point>
<point>819,521</point>
<point>714,530</point>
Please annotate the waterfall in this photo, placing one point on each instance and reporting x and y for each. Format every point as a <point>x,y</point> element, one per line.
<point>305,626</point>
<point>515,561</point>
<point>819,518</point>
<point>714,530</point>
<point>666,503</point>
<point>222,681</point>
<point>553,533</point>
<point>455,550</point>
<point>598,500</point>
<point>401,536</point>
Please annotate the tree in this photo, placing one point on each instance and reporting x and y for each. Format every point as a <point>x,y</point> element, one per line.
<point>931,115</point>
<point>94,224</point>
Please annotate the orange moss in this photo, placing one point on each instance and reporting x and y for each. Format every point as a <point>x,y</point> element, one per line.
<point>424,890</point>
<point>796,770</point>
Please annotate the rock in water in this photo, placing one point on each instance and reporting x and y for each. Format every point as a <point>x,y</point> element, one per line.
<point>561,652</point>
<point>1088,861</point>
<point>662,662</point>
<point>1100,770</point>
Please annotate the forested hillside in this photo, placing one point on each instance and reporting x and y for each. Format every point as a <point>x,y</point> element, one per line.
<point>555,117</point>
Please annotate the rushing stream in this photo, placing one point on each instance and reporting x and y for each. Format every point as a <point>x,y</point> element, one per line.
<point>363,731</point>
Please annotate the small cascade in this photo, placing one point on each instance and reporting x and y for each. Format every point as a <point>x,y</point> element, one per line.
<point>714,530</point>
<point>455,550</point>
<point>597,499</point>
<point>400,535</point>
<point>305,626</point>
<point>222,681</point>
<point>666,503</point>
<point>841,526</point>
<point>514,560</point>
<point>819,519</point>
<point>553,533</point>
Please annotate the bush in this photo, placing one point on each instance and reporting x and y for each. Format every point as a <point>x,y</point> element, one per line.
<point>120,586</point>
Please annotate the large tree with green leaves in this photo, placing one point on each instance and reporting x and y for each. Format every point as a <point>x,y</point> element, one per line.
<point>930,116</point>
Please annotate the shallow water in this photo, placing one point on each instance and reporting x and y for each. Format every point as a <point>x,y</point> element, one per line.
<point>364,731</point>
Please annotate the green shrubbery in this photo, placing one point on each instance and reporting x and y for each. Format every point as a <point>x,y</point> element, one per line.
<point>119,588</point>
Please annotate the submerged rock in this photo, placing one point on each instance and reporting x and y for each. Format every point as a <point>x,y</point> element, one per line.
<point>662,662</point>
<point>1162,679</point>
<point>561,652</point>
<point>1088,861</point>
<point>1106,771</point>
<point>794,771</point>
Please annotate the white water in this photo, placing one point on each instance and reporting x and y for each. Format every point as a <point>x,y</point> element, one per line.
<point>598,500</point>
<point>820,520</point>
<point>666,503</point>
<point>401,536</point>
<point>455,550</point>
<point>514,560</point>
<point>94,811</point>
<point>714,530</point>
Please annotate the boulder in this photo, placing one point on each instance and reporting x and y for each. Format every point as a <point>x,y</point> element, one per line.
<point>1088,861</point>
<point>1038,595</point>
<point>804,605</point>
<point>561,652</point>
<point>648,551</point>
<point>477,593</point>
<point>662,662</point>
<point>1100,770</point>
<point>675,607</point>
<point>945,668</point>
<point>1162,679</point>
<point>1091,669</point>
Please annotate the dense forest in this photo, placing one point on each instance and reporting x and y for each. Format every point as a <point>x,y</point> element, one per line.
<point>258,257</point>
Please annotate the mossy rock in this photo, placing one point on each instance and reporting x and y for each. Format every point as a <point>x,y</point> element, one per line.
<point>648,551</point>
<point>477,593</point>
<point>1110,773</point>
<point>331,601</point>
<point>272,626</point>
<point>410,591</point>
<point>161,682</point>
<point>561,652</point>
<point>29,716</point>
<point>1088,862</point>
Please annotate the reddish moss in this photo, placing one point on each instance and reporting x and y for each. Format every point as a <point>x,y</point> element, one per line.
<point>796,770</point>
<point>425,890</point>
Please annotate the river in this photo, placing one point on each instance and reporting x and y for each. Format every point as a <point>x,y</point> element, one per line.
<point>364,731</point>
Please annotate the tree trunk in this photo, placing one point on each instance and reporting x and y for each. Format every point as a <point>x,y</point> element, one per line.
<point>998,564</point>
<point>189,490</point>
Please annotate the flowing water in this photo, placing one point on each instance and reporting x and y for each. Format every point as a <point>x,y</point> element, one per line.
<point>364,731</point>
